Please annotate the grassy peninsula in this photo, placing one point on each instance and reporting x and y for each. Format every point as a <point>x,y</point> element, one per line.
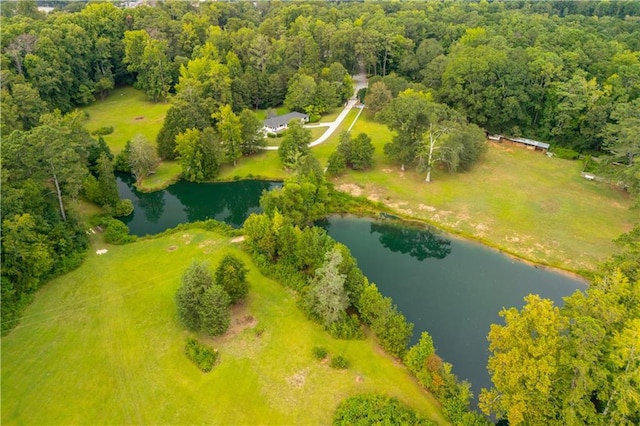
<point>102,344</point>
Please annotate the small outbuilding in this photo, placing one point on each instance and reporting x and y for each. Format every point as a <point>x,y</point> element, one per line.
<point>521,142</point>
<point>281,122</point>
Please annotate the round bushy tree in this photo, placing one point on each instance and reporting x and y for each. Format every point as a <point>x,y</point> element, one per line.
<point>231,275</point>
<point>214,312</point>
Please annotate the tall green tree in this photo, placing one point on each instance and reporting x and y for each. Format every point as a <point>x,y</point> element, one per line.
<point>190,297</point>
<point>524,364</point>
<point>148,58</point>
<point>327,299</point>
<point>295,144</point>
<point>54,151</point>
<point>301,92</point>
<point>408,115</point>
<point>252,137</point>
<point>214,311</point>
<point>230,129</point>
<point>231,275</point>
<point>622,140</point>
<point>142,157</point>
<point>197,153</point>
<point>377,98</point>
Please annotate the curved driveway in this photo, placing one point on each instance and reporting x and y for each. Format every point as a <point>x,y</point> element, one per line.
<point>360,81</point>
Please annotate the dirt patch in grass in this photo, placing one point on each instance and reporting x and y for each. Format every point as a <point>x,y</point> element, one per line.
<point>172,248</point>
<point>298,380</point>
<point>139,118</point>
<point>238,239</point>
<point>240,320</point>
<point>426,208</point>
<point>350,189</point>
<point>209,246</point>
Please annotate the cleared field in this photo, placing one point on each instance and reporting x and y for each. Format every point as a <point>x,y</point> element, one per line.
<point>523,202</point>
<point>102,345</point>
<point>130,113</point>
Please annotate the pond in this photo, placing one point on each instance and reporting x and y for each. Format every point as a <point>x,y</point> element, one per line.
<point>229,202</point>
<point>450,287</point>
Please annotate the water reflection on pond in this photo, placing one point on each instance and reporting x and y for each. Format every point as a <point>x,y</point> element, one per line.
<point>229,202</point>
<point>450,287</point>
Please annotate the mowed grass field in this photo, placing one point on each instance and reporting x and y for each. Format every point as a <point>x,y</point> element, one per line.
<point>520,201</point>
<point>130,113</point>
<point>102,345</point>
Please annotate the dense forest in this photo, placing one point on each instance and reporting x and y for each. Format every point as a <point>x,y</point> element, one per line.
<point>567,73</point>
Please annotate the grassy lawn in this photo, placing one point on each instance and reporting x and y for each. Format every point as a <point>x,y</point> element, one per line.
<point>262,113</point>
<point>167,173</point>
<point>316,132</point>
<point>519,201</point>
<point>130,113</point>
<point>101,345</point>
<point>331,115</point>
<point>265,165</point>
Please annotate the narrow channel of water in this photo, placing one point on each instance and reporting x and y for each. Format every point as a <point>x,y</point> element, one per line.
<point>182,202</point>
<point>449,287</point>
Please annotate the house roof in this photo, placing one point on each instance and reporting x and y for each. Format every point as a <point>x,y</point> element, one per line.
<point>283,120</point>
<point>531,142</point>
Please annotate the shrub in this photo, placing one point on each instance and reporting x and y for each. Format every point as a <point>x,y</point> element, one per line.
<point>376,409</point>
<point>107,130</point>
<point>339,362</point>
<point>348,328</point>
<point>319,353</point>
<point>201,355</point>
<point>566,153</point>
<point>117,232</point>
<point>272,135</point>
<point>122,208</point>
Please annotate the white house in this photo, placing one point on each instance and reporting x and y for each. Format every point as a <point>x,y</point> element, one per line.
<point>281,122</point>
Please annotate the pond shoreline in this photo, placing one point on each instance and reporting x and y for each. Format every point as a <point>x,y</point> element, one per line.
<point>374,212</point>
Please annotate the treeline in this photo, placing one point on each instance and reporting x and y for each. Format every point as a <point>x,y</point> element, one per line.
<point>44,170</point>
<point>551,70</point>
<point>562,72</point>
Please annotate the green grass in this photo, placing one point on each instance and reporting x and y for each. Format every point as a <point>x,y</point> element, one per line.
<point>262,113</point>
<point>331,115</point>
<point>130,113</point>
<point>167,173</point>
<point>101,345</point>
<point>265,165</point>
<point>520,201</point>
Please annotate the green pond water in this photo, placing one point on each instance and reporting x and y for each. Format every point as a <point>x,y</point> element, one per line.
<point>182,202</point>
<point>450,287</point>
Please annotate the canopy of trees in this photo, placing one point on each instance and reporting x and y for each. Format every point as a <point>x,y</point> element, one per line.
<point>553,71</point>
